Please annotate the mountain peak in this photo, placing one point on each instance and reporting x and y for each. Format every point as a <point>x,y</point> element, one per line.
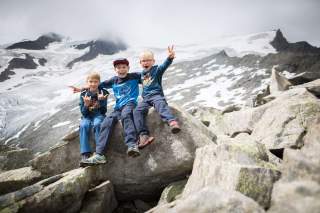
<point>281,44</point>
<point>39,44</point>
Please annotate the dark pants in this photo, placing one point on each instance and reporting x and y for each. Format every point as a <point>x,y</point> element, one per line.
<point>125,115</point>
<point>141,111</point>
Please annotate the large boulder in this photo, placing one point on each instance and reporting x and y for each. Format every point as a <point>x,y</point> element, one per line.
<point>13,158</point>
<point>168,159</point>
<point>278,82</point>
<point>240,165</point>
<point>172,192</point>
<point>280,123</point>
<point>100,199</point>
<point>211,199</point>
<point>62,193</point>
<point>296,197</point>
<point>299,187</point>
<point>18,178</point>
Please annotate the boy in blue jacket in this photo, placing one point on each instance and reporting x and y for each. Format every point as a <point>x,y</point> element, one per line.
<point>93,107</point>
<point>153,95</point>
<point>126,90</point>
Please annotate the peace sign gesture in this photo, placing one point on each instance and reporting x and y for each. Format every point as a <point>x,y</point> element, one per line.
<point>86,100</point>
<point>101,96</point>
<point>171,53</point>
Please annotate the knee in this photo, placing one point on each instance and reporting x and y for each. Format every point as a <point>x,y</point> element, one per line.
<point>107,122</point>
<point>126,115</point>
<point>84,124</point>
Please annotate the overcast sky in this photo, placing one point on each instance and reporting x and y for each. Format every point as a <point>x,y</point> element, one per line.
<point>158,22</point>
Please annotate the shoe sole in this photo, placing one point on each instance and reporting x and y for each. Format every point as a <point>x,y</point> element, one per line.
<point>84,164</point>
<point>133,154</point>
<point>175,130</point>
<point>151,139</point>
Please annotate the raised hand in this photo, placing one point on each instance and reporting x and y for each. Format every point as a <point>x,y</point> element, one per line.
<point>101,96</point>
<point>171,53</point>
<point>75,89</point>
<point>86,100</point>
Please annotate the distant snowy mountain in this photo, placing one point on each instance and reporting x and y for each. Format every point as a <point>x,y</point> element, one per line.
<point>37,107</point>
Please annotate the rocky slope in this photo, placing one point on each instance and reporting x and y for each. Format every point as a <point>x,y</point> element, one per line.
<point>226,165</point>
<point>249,140</point>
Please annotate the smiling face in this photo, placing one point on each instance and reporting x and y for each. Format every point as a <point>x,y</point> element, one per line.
<point>93,84</point>
<point>147,60</point>
<point>122,70</point>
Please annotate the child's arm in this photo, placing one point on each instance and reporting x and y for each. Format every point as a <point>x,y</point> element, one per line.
<point>168,61</point>
<point>106,84</point>
<point>103,102</point>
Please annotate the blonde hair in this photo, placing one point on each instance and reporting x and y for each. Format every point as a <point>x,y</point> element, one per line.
<point>93,75</point>
<point>146,53</point>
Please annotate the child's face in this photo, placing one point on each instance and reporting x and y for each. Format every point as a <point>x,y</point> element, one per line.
<point>146,61</point>
<point>93,83</point>
<point>122,70</point>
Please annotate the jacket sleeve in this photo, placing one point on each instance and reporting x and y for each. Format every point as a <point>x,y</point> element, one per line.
<point>103,103</point>
<point>83,109</point>
<point>163,67</point>
<point>106,84</point>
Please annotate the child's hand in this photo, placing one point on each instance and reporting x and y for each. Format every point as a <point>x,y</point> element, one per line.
<point>171,53</point>
<point>75,89</point>
<point>102,97</point>
<point>86,100</point>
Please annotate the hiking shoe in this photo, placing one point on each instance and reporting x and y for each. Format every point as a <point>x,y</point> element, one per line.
<point>133,151</point>
<point>94,160</point>
<point>174,126</point>
<point>84,157</point>
<point>145,140</point>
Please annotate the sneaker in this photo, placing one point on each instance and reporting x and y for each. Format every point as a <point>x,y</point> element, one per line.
<point>145,140</point>
<point>94,160</point>
<point>133,151</point>
<point>84,157</point>
<point>174,126</point>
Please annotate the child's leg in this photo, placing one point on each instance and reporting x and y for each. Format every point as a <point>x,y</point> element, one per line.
<point>139,116</point>
<point>128,125</point>
<point>105,131</point>
<point>85,126</point>
<point>161,106</point>
<point>97,120</point>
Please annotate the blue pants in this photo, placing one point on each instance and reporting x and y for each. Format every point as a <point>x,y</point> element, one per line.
<point>141,111</point>
<point>125,115</point>
<point>85,128</point>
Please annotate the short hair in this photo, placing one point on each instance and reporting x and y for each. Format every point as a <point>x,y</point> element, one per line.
<point>93,75</point>
<point>146,52</point>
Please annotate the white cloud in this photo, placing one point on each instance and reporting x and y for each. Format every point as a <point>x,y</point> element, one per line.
<point>158,22</point>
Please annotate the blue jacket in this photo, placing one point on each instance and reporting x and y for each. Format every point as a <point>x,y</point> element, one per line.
<point>152,79</point>
<point>97,107</point>
<point>125,89</point>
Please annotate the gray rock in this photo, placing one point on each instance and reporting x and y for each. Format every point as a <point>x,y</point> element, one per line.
<point>62,194</point>
<point>100,199</point>
<point>16,179</point>
<point>172,192</point>
<point>234,166</point>
<point>295,197</point>
<point>60,158</point>
<point>278,82</point>
<point>313,87</point>
<point>168,159</point>
<point>141,206</point>
<point>286,119</point>
<point>15,158</point>
<point>211,199</point>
